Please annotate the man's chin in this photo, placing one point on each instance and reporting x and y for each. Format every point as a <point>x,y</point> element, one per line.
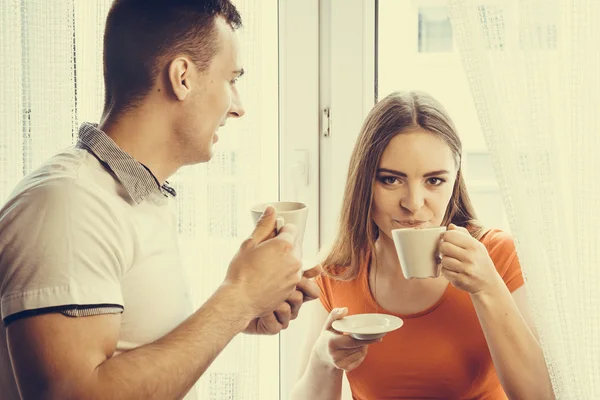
<point>200,158</point>
<point>206,157</point>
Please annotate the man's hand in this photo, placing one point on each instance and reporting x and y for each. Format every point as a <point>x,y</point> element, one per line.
<point>278,320</point>
<point>264,272</point>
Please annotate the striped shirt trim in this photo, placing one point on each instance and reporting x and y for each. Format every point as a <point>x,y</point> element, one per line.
<point>92,310</point>
<point>70,310</point>
<point>137,179</point>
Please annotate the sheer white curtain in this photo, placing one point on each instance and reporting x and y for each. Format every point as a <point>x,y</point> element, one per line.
<point>534,70</point>
<point>51,76</point>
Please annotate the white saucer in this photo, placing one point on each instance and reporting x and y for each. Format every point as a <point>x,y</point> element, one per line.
<point>367,326</point>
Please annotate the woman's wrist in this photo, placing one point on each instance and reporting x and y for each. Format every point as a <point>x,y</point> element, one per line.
<point>319,361</point>
<point>493,290</point>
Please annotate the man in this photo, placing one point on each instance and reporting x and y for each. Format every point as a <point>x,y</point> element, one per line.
<point>93,297</point>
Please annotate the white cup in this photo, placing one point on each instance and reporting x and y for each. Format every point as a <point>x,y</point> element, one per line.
<point>288,212</point>
<point>418,251</point>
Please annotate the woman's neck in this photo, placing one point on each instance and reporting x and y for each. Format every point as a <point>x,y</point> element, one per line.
<point>388,264</point>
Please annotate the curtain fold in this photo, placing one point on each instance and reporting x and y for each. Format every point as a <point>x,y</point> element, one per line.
<point>533,68</point>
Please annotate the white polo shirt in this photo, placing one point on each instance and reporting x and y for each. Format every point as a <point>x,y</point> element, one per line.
<point>90,232</point>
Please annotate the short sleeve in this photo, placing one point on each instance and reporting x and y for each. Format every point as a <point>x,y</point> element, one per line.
<point>61,244</point>
<point>326,293</point>
<point>502,251</point>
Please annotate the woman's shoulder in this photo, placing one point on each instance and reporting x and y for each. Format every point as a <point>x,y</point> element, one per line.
<point>497,240</point>
<point>501,248</point>
<point>337,287</point>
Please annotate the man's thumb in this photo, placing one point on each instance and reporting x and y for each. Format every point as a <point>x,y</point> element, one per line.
<point>334,315</point>
<point>265,225</point>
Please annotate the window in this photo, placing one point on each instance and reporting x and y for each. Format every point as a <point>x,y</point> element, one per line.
<point>435,31</point>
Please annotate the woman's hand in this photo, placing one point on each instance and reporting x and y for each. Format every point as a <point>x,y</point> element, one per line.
<point>466,262</point>
<point>334,349</point>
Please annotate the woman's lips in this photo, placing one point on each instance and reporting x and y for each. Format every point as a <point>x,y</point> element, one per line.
<point>410,223</point>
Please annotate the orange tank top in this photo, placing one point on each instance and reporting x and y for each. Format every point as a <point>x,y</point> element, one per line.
<point>439,353</point>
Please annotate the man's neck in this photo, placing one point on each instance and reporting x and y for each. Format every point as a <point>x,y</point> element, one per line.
<point>145,136</point>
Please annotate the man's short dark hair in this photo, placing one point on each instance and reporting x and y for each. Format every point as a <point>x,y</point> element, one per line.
<point>142,35</point>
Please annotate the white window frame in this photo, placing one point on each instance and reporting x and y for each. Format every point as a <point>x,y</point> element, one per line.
<point>326,60</point>
<point>298,146</point>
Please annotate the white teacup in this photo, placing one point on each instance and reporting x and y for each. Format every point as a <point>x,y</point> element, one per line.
<point>288,212</point>
<point>418,251</point>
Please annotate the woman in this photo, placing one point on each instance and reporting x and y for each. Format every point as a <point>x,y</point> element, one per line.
<point>467,334</point>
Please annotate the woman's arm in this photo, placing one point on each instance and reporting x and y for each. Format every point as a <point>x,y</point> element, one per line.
<point>504,318</point>
<point>512,340</point>
<point>317,380</point>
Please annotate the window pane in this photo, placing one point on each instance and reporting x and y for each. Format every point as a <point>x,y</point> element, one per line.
<point>435,31</point>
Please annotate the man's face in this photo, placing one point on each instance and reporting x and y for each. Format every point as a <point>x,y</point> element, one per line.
<point>213,100</point>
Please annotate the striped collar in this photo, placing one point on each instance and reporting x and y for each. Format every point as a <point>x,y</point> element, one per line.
<point>133,175</point>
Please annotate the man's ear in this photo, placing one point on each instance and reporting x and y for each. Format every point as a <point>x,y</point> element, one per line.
<point>179,77</point>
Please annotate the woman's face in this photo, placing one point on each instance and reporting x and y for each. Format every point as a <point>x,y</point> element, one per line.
<point>414,182</point>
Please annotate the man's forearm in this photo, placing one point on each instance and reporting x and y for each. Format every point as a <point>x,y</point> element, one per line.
<point>169,367</point>
<point>319,382</point>
<point>517,355</point>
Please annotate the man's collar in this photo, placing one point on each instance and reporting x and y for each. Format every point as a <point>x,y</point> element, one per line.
<point>137,179</point>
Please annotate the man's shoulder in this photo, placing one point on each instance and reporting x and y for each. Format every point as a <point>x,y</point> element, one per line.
<point>60,169</point>
<point>72,173</point>
<point>58,184</point>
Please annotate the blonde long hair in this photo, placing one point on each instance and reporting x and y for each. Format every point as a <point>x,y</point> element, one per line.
<point>393,115</point>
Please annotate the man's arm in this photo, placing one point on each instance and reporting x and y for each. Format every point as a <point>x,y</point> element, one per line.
<point>58,357</point>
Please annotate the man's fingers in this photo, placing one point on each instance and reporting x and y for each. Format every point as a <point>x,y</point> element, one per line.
<point>284,314</point>
<point>313,272</point>
<point>309,289</point>
<point>295,301</point>
<point>265,225</point>
<point>270,324</point>
<point>289,233</point>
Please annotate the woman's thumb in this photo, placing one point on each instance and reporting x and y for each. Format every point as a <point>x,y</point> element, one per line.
<point>334,315</point>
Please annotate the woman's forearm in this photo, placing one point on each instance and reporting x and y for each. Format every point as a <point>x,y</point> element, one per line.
<point>319,382</point>
<point>516,353</point>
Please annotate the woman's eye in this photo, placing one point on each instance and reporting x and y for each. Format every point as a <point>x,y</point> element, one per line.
<point>435,181</point>
<point>388,180</point>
